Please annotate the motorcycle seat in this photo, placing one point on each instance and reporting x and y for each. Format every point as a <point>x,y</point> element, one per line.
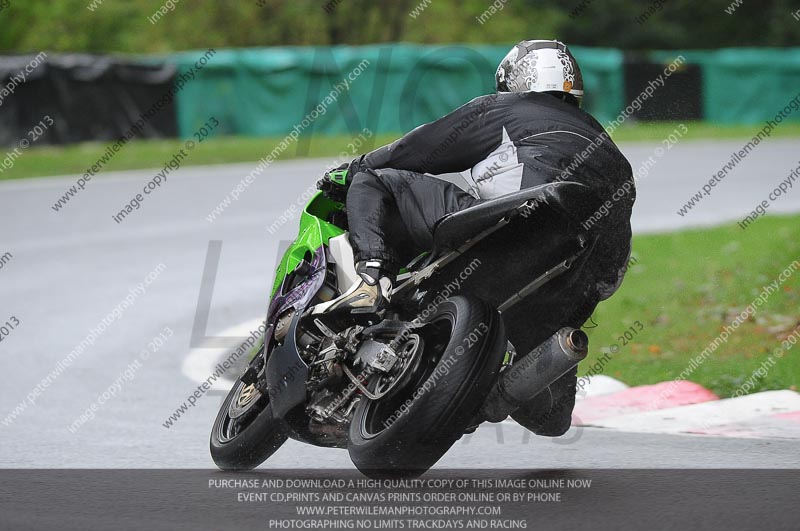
<point>576,201</point>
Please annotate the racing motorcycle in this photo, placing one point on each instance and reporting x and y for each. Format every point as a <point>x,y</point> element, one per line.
<point>399,389</point>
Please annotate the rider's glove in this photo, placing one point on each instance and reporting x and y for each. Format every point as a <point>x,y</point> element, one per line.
<point>334,183</point>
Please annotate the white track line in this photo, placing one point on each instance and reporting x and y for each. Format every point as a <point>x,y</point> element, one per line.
<point>202,362</point>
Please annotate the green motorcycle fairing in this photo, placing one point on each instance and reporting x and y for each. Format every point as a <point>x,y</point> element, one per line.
<point>315,231</point>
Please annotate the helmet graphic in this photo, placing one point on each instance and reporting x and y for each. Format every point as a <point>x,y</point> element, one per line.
<point>540,66</point>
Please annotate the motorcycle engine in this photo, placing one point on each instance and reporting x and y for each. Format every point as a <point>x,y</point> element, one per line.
<point>332,400</point>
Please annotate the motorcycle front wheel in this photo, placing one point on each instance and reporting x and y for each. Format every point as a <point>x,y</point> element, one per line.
<point>245,432</point>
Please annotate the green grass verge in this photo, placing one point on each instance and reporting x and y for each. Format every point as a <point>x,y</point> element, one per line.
<point>75,159</point>
<point>684,288</point>
<point>657,131</point>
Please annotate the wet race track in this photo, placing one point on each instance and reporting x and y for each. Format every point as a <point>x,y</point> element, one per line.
<point>126,295</point>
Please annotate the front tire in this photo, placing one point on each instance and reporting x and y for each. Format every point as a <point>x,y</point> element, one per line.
<point>408,432</point>
<point>245,432</point>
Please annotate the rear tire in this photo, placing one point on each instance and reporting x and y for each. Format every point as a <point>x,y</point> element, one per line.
<point>465,345</point>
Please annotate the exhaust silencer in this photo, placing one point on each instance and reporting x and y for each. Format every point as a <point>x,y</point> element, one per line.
<point>532,374</point>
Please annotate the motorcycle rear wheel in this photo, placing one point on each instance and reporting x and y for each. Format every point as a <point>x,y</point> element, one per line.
<point>407,433</point>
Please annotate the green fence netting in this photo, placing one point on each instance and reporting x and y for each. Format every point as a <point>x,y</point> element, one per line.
<point>390,88</point>
<point>393,88</point>
<point>744,85</point>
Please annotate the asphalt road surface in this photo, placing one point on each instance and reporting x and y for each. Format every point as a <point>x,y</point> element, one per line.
<point>64,272</point>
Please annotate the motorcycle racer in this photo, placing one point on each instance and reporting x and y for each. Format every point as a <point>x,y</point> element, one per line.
<point>532,131</point>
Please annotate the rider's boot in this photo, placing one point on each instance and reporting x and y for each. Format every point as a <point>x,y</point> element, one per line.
<point>367,296</point>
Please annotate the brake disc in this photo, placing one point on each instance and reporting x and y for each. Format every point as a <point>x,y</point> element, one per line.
<point>409,353</point>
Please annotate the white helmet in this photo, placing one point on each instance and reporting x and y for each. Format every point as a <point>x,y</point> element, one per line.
<point>540,66</point>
